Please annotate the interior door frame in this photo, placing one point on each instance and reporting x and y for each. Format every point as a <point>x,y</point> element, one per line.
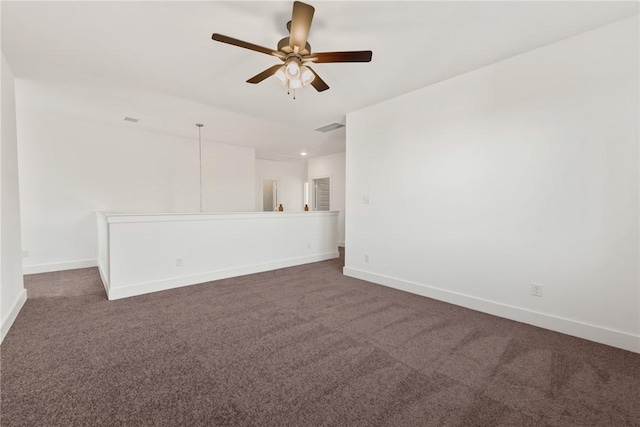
<point>312,195</point>
<point>276,195</point>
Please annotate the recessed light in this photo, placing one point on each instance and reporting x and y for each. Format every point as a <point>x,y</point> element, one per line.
<point>303,153</point>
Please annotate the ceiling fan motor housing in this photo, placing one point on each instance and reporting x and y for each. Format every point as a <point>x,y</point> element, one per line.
<point>283,46</point>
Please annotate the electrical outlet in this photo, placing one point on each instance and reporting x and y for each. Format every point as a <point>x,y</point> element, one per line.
<point>536,290</point>
<point>366,258</point>
<point>25,254</point>
<point>178,262</point>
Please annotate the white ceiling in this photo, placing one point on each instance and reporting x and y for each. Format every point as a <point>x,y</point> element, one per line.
<point>134,56</point>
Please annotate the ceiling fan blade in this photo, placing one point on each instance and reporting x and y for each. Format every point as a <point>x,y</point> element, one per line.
<point>263,75</point>
<point>300,25</point>
<point>354,56</point>
<point>246,45</point>
<point>318,83</point>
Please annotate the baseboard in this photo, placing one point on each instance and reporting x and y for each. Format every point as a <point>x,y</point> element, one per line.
<point>114,293</point>
<point>7,322</point>
<point>574,328</point>
<point>58,266</point>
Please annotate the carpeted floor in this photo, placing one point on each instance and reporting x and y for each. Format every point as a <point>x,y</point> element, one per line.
<point>303,346</point>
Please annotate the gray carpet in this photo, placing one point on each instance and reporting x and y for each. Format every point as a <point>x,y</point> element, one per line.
<point>303,346</point>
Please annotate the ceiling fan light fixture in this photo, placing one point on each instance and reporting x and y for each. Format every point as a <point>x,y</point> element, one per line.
<point>306,75</point>
<point>295,84</point>
<point>293,70</point>
<point>281,75</point>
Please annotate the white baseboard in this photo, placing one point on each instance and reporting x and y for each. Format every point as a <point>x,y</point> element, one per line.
<point>575,328</point>
<point>7,322</point>
<point>58,266</point>
<point>114,293</point>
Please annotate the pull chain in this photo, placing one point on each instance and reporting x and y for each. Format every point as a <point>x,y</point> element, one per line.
<point>289,90</point>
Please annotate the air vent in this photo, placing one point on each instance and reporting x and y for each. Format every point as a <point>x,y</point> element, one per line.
<point>130,119</point>
<point>330,127</point>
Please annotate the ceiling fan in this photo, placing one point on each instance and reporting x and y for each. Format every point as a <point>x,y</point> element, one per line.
<point>295,52</point>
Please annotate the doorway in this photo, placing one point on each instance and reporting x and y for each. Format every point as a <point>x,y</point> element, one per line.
<point>321,188</point>
<point>270,195</point>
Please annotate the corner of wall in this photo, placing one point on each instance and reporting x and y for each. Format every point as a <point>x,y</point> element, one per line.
<point>8,320</point>
<point>12,292</point>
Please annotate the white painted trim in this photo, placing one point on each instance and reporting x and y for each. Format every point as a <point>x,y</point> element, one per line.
<point>59,266</point>
<point>7,322</point>
<point>575,328</point>
<point>341,243</point>
<point>177,282</point>
<point>164,217</point>
<point>105,283</point>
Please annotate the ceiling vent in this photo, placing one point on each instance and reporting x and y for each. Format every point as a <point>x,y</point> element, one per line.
<point>130,119</point>
<point>330,127</point>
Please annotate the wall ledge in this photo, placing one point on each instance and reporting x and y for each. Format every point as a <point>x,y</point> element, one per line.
<point>611,337</point>
<point>113,217</point>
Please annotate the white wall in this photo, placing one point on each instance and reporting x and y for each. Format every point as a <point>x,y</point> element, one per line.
<point>292,177</point>
<point>12,292</point>
<point>333,166</point>
<point>70,168</point>
<point>228,174</point>
<point>525,171</point>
